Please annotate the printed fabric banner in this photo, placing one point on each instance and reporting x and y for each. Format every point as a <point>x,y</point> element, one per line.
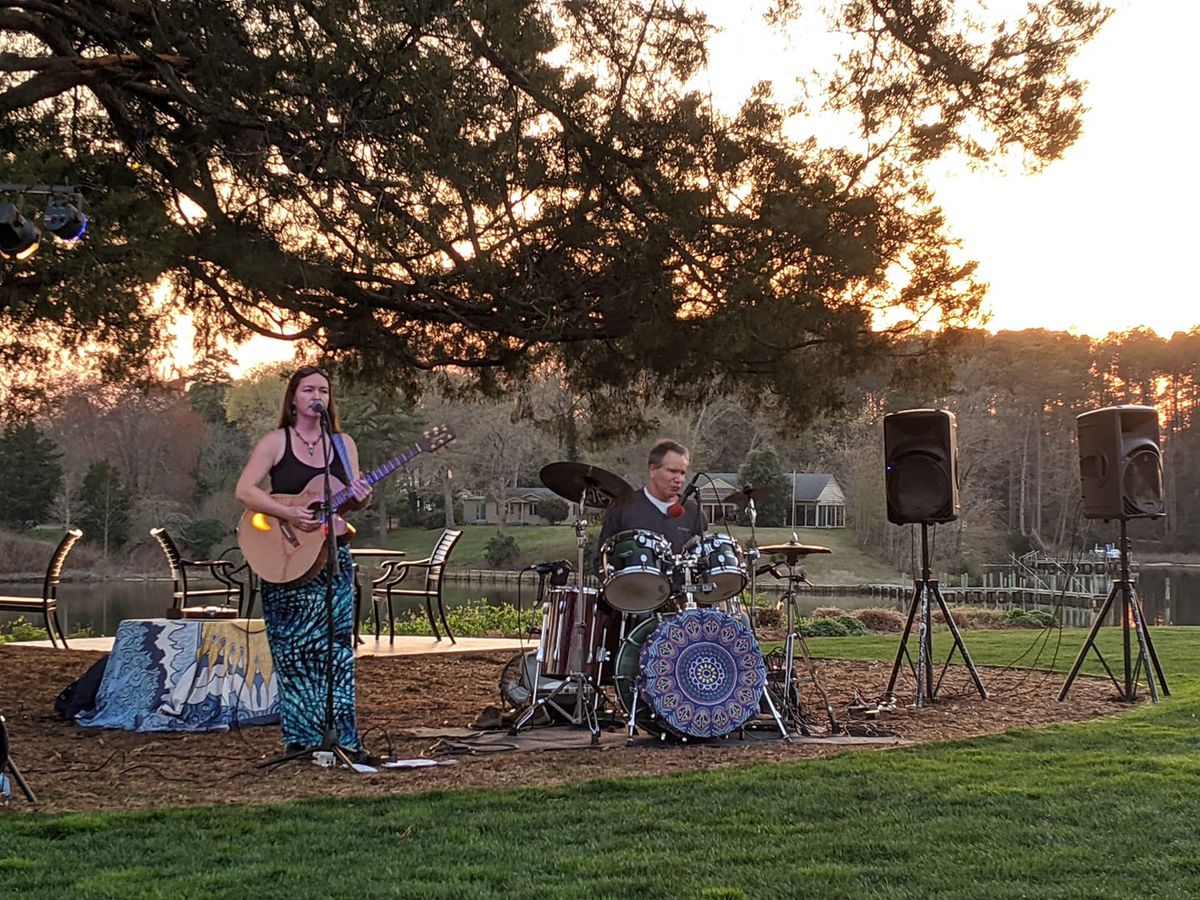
<point>186,675</point>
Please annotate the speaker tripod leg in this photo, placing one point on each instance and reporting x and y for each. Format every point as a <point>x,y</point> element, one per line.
<point>913,604</point>
<point>958,642</point>
<point>1089,642</point>
<point>1143,638</point>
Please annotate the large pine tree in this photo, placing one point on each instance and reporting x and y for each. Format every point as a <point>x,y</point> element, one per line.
<point>499,185</point>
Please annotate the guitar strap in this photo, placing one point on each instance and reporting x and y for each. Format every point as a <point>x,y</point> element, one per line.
<point>339,447</point>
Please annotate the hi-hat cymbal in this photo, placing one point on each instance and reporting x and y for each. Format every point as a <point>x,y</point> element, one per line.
<point>793,550</point>
<point>598,487</point>
<point>742,497</point>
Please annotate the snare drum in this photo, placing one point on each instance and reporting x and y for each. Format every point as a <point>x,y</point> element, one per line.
<point>636,567</point>
<point>560,635</point>
<point>718,560</point>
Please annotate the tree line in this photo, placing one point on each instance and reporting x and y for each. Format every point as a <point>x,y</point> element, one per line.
<point>119,460</point>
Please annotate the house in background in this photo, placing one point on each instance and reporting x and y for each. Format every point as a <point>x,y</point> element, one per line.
<point>714,488</point>
<point>820,501</point>
<point>521,503</point>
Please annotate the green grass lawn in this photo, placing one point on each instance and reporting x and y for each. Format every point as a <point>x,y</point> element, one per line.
<point>1106,808</point>
<point>845,565</point>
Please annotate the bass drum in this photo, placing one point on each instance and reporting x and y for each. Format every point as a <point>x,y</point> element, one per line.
<point>627,670</point>
<point>702,673</point>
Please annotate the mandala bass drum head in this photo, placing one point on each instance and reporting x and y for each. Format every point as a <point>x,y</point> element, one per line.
<point>702,673</point>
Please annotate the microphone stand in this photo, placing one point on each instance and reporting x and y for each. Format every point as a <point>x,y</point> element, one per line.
<point>6,762</point>
<point>752,555</point>
<point>329,742</point>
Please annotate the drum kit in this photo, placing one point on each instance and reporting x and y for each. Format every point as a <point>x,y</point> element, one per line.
<point>664,630</point>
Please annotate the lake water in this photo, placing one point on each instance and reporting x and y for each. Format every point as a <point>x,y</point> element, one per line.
<point>100,606</point>
<point>1170,596</point>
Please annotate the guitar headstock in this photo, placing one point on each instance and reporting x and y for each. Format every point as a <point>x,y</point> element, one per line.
<point>435,438</point>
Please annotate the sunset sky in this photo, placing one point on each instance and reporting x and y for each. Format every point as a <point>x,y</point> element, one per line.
<point>1101,240</point>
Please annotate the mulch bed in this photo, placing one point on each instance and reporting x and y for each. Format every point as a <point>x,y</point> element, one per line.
<point>72,768</point>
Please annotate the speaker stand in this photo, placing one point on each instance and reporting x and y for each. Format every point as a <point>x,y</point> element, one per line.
<point>1131,615</point>
<point>925,588</point>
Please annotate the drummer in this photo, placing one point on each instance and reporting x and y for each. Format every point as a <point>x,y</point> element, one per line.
<point>656,507</point>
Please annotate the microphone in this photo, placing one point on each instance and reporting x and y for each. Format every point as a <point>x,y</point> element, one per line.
<point>559,571</point>
<point>692,488</point>
<point>319,408</point>
<point>675,510</point>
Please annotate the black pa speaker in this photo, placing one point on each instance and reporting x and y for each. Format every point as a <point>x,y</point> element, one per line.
<point>1120,463</point>
<point>920,449</point>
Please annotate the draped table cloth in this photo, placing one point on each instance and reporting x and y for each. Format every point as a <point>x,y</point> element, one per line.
<point>186,675</point>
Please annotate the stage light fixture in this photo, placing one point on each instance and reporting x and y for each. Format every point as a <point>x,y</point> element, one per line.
<point>64,220</point>
<point>19,238</point>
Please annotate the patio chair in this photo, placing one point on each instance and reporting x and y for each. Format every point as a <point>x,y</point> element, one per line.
<point>393,572</point>
<point>47,604</point>
<point>189,601</point>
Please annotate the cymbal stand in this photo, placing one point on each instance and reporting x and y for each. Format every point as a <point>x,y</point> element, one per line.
<point>791,597</point>
<point>586,696</point>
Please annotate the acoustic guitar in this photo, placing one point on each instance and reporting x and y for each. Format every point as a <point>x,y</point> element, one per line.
<point>283,554</point>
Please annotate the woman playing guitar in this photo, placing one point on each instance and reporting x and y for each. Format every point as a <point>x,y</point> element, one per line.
<point>293,455</point>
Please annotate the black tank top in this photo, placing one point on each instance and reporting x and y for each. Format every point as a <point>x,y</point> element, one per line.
<point>291,476</point>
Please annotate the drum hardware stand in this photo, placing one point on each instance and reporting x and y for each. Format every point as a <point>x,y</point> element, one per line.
<point>923,589</point>
<point>752,555</point>
<point>6,763</point>
<point>586,695</point>
<point>1131,614</point>
<point>791,597</point>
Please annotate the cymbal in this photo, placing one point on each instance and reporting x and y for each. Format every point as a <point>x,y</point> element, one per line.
<point>742,497</point>
<point>793,550</point>
<point>572,480</point>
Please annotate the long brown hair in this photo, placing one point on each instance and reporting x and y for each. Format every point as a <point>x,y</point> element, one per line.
<point>287,412</point>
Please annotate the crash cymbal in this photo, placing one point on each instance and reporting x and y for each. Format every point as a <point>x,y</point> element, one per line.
<point>793,550</point>
<point>742,497</point>
<point>572,480</point>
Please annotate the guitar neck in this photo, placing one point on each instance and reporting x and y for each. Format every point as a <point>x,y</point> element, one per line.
<point>380,472</point>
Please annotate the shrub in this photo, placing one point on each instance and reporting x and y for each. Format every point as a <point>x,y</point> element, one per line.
<point>767,616</point>
<point>501,550</point>
<point>831,612</point>
<point>854,627</point>
<point>475,618</point>
<point>972,617</point>
<point>1029,618</point>
<point>880,619</point>
<point>552,509</point>
<point>824,626</point>
<point>20,630</point>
